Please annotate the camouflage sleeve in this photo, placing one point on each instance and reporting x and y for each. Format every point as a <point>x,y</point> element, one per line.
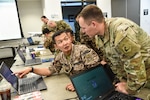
<point>89,57</point>
<point>64,25</point>
<point>90,43</point>
<point>130,52</point>
<point>136,73</point>
<point>56,65</point>
<point>44,26</point>
<point>47,43</point>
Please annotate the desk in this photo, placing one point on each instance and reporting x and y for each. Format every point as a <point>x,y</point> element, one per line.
<point>56,88</point>
<point>56,84</point>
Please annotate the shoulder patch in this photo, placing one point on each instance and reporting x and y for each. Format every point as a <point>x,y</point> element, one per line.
<point>127,47</point>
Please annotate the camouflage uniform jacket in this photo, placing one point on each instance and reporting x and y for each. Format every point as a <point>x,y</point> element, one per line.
<point>48,43</point>
<point>128,48</point>
<point>90,42</point>
<point>44,26</point>
<point>61,25</point>
<point>81,58</point>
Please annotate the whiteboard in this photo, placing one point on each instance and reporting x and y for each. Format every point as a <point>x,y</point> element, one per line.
<point>10,27</point>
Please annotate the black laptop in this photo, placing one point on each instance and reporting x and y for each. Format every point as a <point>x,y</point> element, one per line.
<point>28,62</point>
<point>94,84</point>
<point>23,85</point>
<point>31,42</point>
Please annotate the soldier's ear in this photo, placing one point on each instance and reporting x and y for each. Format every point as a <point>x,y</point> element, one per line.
<point>93,23</point>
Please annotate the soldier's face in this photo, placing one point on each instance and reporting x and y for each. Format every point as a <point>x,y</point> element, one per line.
<point>71,37</point>
<point>51,24</point>
<point>89,29</point>
<point>45,20</point>
<point>63,43</point>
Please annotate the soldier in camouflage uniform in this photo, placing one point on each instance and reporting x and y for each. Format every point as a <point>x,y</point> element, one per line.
<point>48,43</point>
<point>72,38</point>
<point>45,20</point>
<point>77,31</point>
<point>73,59</point>
<point>124,43</point>
<point>55,26</point>
<point>90,42</point>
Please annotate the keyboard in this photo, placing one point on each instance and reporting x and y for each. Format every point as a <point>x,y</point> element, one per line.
<point>120,96</point>
<point>28,84</point>
<point>33,61</point>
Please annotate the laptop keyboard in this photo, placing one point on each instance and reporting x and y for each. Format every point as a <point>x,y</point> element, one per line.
<point>33,61</point>
<point>120,96</point>
<point>28,85</point>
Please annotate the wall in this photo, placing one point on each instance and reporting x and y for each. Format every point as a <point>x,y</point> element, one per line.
<point>145,19</point>
<point>105,6</point>
<point>52,9</point>
<point>125,8</point>
<point>30,13</point>
<point>118,8</point>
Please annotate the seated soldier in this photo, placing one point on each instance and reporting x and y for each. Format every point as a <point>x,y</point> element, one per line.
<point>48,40</point>
<point>72,58</point>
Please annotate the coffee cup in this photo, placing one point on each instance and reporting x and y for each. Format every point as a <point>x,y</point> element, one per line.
<point>5,90</point>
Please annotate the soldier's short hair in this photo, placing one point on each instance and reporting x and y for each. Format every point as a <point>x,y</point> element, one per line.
<point>69,31</point>
<point>60,32</point>
<point>43,16</point>
<point>57,33</point>
<point>46,31</point>
<point>91,12</point>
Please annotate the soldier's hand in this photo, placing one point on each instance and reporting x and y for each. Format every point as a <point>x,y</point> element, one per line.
<point>121,87</point>
<point>70,87</point>
<point>22,73</point>
<point>103,62</point>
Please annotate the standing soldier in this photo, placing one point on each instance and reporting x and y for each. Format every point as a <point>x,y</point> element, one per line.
<point>45,20</point>
<point>125,44</point>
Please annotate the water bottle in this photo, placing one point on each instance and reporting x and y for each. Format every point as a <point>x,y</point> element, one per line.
<point>28,56</point>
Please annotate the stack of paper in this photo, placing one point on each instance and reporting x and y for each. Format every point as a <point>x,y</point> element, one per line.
<point>30,96</point>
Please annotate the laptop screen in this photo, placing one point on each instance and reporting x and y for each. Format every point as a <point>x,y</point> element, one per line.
<point>21,54</point>
<point>30,40</point>
<point>92,83</point>
<point>8,75</point>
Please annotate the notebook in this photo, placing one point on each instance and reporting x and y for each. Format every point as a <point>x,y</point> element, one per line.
<point>31,42</point>
<point>94,84</point>
<point>22,85</point>
<point>28,62</point>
